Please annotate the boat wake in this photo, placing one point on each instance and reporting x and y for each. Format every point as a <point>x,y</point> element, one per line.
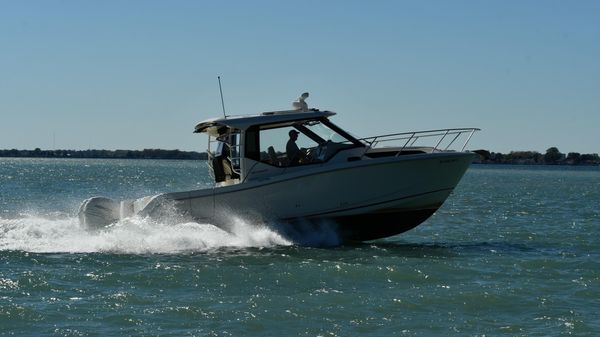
<point>133,235</point>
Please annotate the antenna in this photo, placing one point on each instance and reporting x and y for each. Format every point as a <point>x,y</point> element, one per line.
<point>222,102</point>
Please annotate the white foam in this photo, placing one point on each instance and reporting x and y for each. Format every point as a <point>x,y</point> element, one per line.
<point>132,235</point>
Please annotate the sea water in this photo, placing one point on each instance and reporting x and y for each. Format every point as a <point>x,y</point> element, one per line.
<point>515,251</point>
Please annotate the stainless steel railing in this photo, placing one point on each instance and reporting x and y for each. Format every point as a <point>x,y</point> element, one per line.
<point>442,137</point>
<point>233,153</point>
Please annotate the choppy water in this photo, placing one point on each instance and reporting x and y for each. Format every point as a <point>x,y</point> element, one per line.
<point>515,251</point>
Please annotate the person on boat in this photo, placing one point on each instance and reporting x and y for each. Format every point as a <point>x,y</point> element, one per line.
<point>221,163</point>
<point>294,154</point>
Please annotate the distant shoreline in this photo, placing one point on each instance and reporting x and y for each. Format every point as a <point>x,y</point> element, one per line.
<point>551,157</point>
<point>105,154</point>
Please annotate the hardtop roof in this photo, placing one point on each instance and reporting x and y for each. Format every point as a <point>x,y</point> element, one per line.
<point>243,122</point>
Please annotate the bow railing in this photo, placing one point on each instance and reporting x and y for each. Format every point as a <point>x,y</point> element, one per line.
<point>438,140</point>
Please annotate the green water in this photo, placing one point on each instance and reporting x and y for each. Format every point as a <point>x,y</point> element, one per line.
<point>515,251</point>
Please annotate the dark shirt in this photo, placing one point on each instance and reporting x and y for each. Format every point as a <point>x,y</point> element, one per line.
<point>293,152</point>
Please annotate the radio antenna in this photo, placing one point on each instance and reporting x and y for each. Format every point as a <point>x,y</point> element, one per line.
<point>222,102</point>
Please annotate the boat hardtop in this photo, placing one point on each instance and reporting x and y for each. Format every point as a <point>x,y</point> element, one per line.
<point>243,122</point>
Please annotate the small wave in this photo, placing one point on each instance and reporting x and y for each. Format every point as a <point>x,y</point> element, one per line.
<point>322,233</point>
<point>135,235</point>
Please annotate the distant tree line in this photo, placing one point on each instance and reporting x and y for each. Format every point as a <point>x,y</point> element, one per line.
<point>552,157</point>
<point>108,154</point>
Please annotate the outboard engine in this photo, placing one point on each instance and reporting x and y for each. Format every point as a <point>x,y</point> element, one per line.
<point>99,212</point>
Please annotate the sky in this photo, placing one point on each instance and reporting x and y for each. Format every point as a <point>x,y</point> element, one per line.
<point>140,74</point>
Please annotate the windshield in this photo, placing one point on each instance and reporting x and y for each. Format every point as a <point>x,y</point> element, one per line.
<point>324,132</point>
<point>303,142</point>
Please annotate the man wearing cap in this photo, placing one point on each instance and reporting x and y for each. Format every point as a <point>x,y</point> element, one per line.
<point>292,151</point>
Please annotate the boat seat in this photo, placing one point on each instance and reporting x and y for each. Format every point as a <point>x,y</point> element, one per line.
<point>218,169</point>
<point>273,156</point>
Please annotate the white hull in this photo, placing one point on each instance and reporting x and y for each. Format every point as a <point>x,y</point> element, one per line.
<point>397,193</point>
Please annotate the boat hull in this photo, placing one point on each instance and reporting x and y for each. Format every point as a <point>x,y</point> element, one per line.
<point>358,201</point>
<point>363,201</point>
<point>369,226</point>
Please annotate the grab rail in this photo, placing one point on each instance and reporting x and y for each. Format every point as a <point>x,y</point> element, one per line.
<point>410,138</point>
<point>233,151</point>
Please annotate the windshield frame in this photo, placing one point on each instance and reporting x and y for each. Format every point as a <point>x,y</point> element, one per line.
<point>300,126</point>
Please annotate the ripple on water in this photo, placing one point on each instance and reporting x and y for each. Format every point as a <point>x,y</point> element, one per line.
<point>513,252</point>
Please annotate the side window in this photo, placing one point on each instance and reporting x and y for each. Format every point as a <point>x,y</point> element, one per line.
<point>285,146</point>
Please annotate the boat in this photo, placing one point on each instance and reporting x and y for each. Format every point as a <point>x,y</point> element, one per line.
<point>298,170</point>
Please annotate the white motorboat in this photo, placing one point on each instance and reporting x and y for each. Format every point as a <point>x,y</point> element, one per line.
<point>300,171</point>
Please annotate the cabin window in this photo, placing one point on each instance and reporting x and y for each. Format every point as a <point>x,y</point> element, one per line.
<point>313,141</point>
<point>278,149</point>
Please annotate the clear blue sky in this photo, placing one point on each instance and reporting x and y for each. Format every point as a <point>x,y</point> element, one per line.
<point>140,74</point>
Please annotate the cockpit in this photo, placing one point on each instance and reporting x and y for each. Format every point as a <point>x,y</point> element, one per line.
<point>259,145</point>
<point>318,140</point>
